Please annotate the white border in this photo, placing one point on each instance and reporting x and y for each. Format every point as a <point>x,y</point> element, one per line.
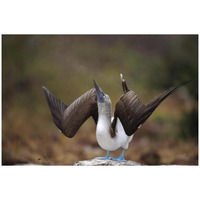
<point>99,17</point>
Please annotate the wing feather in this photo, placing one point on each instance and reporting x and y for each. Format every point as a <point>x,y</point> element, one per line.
<point>132,113</point>
<point>69,119</point>
<point>129,111</point>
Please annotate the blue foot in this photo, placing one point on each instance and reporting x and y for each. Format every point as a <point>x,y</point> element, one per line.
<point>121,158</point>
<point>105,158</point>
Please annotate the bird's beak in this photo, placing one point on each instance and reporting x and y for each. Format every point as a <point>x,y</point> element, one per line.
<point>100,94</point>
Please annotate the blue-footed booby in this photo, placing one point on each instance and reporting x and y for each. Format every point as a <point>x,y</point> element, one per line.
<point>111,132</point>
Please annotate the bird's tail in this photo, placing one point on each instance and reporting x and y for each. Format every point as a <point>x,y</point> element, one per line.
<point>124,86</point>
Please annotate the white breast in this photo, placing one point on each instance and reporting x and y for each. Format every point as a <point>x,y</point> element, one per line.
<point>104,138</point>
<point>122,138</point>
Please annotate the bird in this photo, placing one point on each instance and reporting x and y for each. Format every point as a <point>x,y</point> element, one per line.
<point>114,132</point>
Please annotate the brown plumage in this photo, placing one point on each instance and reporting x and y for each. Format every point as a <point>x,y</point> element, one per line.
<point>129,109</point>
<point>124,86</point>
<point>132,113</point>
<point>69,119</point>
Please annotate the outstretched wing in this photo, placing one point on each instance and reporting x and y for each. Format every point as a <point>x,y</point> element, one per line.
<point>69,119</point>
<point>129,109</point>
<point>132,113</point>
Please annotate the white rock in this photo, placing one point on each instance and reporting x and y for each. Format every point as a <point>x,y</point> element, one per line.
<point>98,162</point>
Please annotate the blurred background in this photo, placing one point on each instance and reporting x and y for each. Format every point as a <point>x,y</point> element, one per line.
<point>66,65</point>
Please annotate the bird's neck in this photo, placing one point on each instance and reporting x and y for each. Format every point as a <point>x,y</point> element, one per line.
<point>104,118</point>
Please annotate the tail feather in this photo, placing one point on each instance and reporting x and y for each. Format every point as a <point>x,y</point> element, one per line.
<point>124,86</point>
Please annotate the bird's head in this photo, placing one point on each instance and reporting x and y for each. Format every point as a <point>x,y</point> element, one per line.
<point>101,96</point>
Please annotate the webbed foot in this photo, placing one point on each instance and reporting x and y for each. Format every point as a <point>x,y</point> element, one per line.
<point>105,158</point>
<point>121,158</point>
